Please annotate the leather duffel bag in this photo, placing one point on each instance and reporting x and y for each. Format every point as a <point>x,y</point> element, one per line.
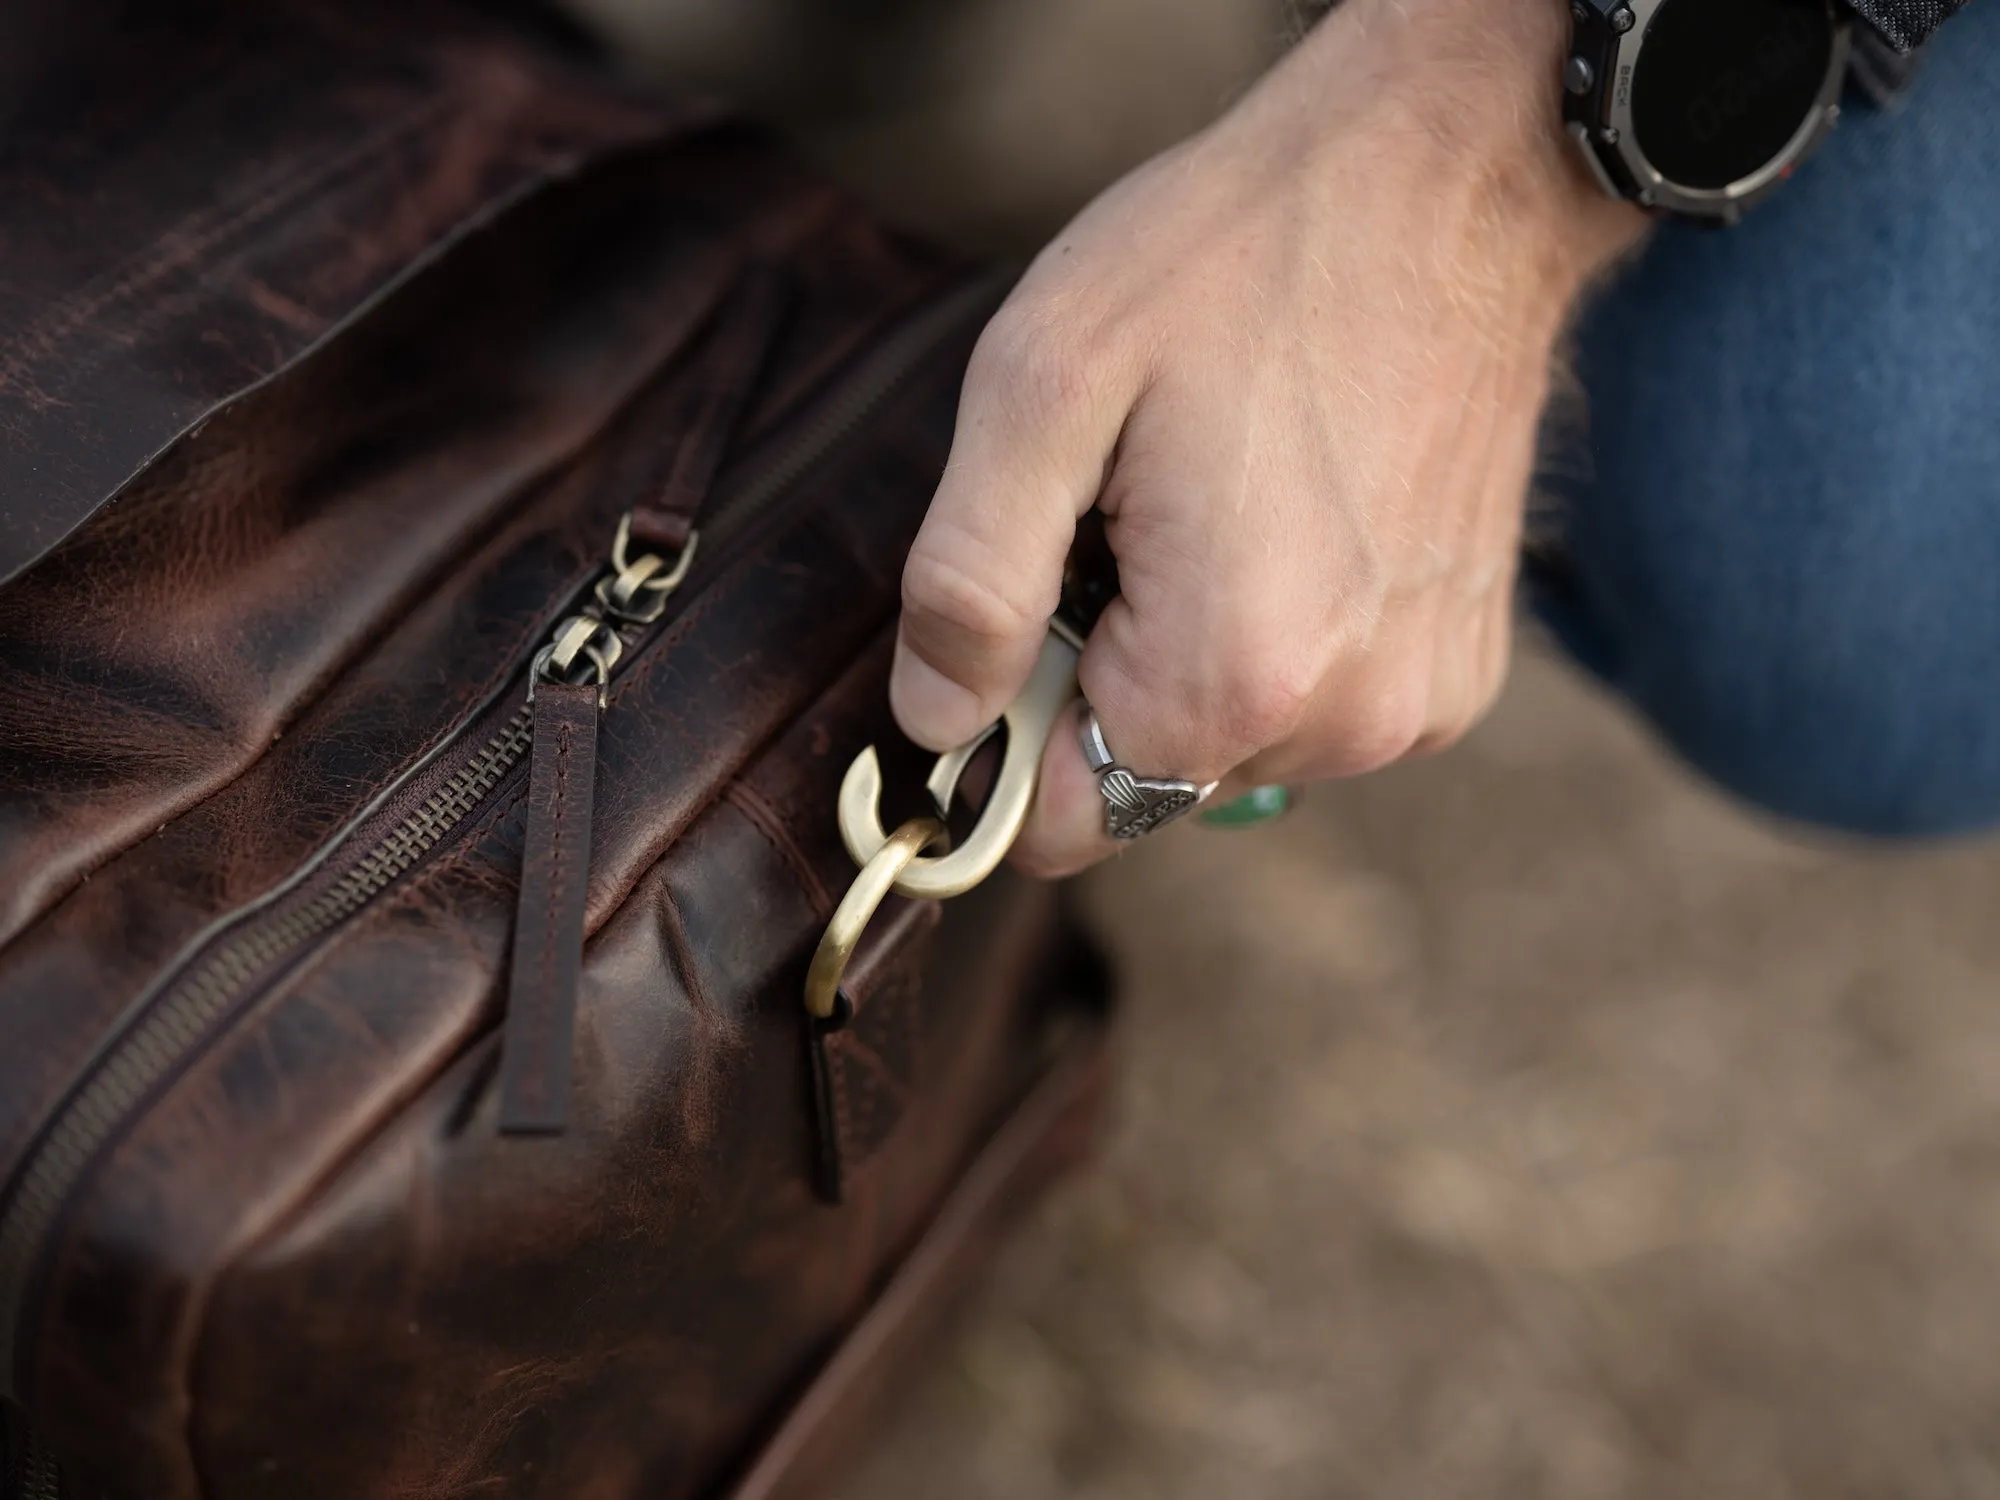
<point>451,515</point>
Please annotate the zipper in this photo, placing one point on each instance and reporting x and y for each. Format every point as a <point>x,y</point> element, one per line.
<point>567,691</point>
<point>189,1004</point>
<point>28,1470</point>
<point>38,1477</point>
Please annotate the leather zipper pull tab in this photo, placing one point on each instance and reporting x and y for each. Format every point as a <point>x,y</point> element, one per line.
<point>828,1162</point>
<point>535,1057</point>
<point>548,926</point>
<point>711,411</point>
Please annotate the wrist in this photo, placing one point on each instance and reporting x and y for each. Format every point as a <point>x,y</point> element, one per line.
<point>1466,95</point>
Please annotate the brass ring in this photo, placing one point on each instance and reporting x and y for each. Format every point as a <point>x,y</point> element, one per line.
<point>857,909</point>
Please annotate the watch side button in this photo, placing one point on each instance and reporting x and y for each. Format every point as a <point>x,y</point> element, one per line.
<point>1579,77</point>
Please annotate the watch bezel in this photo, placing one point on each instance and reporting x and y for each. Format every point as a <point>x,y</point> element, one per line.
<point>1651,187</point>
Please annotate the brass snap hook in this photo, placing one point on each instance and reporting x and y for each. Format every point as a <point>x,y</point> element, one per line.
<point>1029,721</point>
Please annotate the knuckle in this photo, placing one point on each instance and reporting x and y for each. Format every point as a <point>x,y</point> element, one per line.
<point>1270,690</point>
<point>942,594</point>
<point>1030,364</point>
<point>1439,738</point>
<point>1488,680</point>
<point>1385,731</point>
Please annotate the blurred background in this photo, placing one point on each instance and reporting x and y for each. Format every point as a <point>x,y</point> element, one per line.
<point>1523,1122</point>
<point>1526,1122</point>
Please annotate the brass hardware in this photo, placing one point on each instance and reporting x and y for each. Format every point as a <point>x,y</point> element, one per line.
<point>1029,722</point>
<point>858,907</point>
<point>637,591</point>
<point>583,648</point>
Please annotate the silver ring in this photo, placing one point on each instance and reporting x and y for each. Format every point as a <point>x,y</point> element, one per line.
<point>1134,806</point>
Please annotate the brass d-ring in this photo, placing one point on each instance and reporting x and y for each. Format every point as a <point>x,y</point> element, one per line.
<point>858,907</point>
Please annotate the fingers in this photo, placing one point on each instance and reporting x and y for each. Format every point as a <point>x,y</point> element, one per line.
<point>1358,722</point>
<point>1237,599</point>
<point>1223,634</point>
<point>1041,414</point>
<point>1065,831</point>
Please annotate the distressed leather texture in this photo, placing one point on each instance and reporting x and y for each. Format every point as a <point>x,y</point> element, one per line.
<point>309,455</point>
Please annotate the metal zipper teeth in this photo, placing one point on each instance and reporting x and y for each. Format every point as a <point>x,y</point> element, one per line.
<point>40,1479</point>
<point>892,362</point>
<point>199,997</point>
<point>194,1002</point>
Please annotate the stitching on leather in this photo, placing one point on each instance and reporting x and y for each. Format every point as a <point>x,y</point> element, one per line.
<point>546,959</point>
<point>761,816</point>
<point>870,1060</point>
<point>843,1120</point>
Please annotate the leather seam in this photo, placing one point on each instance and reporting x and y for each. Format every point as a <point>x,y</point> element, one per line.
<point>137,275</point>
<point>760,815</point>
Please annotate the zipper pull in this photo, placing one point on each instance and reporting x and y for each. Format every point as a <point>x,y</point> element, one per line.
<point>566,693</point>
<point>567,690</point>
<point>711,411</point>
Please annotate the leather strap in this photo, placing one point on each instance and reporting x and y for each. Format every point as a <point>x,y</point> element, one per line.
<point>865,1061</point>
<point>548,927</point>
<point>730,360</point>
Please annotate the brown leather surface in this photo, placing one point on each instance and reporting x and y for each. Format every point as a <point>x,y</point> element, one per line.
<point>876,1061</point>
<point>201,191</point>
<point>490,394</point>
<point>676,730</point>
<point>1050,1131</point>
<point>548,914</point>
<point>864,1060</point>
<point>304,1261</point>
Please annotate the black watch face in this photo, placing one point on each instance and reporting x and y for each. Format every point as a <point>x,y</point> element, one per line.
<point>1722,86</point>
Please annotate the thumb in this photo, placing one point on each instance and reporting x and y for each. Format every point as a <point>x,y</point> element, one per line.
<point>1037,424</point>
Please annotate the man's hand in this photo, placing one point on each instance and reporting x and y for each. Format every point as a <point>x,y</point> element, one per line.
<point>1299,362</point>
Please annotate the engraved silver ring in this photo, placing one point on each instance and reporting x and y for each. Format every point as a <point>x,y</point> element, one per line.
<point>1135,806</point>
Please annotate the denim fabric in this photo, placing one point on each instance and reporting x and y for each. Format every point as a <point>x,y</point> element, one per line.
<point>1784,546</point>
<point>1907,23</point>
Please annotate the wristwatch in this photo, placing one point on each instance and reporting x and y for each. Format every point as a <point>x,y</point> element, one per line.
<point>1701,108</point>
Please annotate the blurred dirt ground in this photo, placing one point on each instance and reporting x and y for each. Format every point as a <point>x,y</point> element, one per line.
<point>1527,1122</point>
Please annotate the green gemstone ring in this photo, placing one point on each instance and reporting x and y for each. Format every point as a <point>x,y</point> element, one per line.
<point>1259,805</point>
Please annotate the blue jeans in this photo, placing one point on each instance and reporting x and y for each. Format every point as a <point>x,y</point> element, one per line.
<point>1782,543</point>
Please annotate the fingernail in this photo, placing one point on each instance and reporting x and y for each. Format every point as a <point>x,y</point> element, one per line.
<point>934,711</point>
